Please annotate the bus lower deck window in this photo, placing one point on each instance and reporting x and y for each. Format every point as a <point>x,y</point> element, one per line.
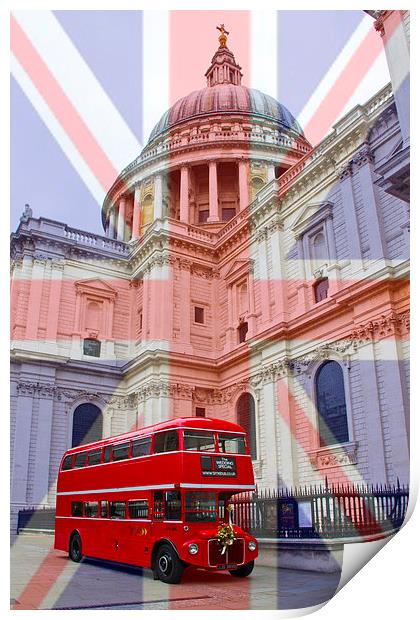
<point>232,444</point>
<point>173,505</point>
<point>76,509</point>
<point>91,509</point>
<point>138,509</point>
<point>201,506</point>
<point>117,510</point>
<point>104,509</point>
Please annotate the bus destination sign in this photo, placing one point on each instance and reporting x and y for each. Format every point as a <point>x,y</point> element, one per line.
<point>218,466</point>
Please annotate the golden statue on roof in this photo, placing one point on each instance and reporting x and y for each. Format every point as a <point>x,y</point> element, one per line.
<point>223,35</point>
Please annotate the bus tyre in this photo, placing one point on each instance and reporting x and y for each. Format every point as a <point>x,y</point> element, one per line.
<point>75,548</point>
<point>168,567</point>
<point>244,570</point>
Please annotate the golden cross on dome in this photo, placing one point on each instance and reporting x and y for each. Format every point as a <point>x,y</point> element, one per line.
<point>223,35</point>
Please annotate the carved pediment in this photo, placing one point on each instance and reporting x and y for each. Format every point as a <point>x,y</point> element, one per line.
<point>97,287</point>
<point>312,215</point>
<point>240,268</point>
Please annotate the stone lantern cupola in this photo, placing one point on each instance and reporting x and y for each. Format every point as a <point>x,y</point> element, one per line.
<point>223,68</point>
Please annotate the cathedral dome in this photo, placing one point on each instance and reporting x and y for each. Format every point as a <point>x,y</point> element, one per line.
<point>226,98</point>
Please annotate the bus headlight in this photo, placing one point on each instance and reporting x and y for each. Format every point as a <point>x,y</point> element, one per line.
<point>252,545</point>
<point>193,548</point>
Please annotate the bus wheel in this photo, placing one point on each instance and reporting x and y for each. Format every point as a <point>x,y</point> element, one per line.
<point>168,567</point>
<point>75,548</point>
<point>244,570</point>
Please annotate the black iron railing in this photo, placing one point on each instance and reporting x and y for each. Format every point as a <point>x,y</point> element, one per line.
<point>330,511</point>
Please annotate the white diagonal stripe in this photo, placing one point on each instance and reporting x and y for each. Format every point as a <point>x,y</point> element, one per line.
<point>80,85</point>
<point>57,131</point>
<point>263,51</point>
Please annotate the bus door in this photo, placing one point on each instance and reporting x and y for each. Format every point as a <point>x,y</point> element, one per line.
<point>167,516</point>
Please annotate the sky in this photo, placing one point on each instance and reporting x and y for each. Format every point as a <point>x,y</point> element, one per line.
<point>140,63</point>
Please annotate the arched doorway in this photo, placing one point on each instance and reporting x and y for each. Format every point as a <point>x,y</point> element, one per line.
<point>245,414</point>
<point>87,424</point>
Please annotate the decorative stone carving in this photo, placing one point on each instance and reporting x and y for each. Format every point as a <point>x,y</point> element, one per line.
<point>334,456</point>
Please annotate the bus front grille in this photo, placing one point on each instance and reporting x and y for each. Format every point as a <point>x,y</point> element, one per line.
<point>234,553</point>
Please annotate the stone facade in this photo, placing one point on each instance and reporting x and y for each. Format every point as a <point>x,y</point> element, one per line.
<point>295,216</point>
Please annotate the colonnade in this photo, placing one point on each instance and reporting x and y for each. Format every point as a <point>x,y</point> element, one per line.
<point>121,215</point>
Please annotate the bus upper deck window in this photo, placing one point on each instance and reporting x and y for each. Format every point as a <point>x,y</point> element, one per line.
<point>94,457</point>
<point>141,447</point>
<point>203,442</point>
<point>166,442</point>
<point>107,454</point>
<point>67,463</point>
<point>232,444</point>
<point>120,451</point>
<point>80,460</point>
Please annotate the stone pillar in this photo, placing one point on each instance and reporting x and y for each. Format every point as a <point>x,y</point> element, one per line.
<point>112,218</point>
<point>21,445</point>
<point>121,219</point>
<point>158,202</point>
<point>267,417</point>
<point>213,193</point>
<point>57,268</point>
<point>43,446</point>
<point>230,332</point>
<point>185,297</point>
<point>287,429</point>
<point>243,168</point>
<point>302,303</point>
<point>271,172</point>
<point>375,228</point>
<point>372,414</point>
<point>135,233</point>
<point>263,278</point>
<point>35,297</point>
<point>349,211</point>
<point>183,195</point>
<point>166,303</point>
<point>277,273</point>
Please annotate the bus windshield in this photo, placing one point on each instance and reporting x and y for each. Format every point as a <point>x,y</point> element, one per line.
<point>201,506</point>
<point>232,444</point>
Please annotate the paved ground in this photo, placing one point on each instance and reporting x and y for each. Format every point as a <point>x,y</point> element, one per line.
<point>42,578</point>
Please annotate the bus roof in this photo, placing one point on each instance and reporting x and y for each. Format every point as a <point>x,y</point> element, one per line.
<point>210,424</point>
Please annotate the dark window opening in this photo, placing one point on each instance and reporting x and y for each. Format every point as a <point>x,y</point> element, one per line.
<point>120,452</point>
<point>321,289</point>
<point>166,442</point>
<point>117,510</point>
<point>228,214</point>
<point>173,505</point>
<point>87,424</point>
<point>104,509</point>
<point>94,457</point>
<point>331,404</point>
<point>80,460</point>
<point>92,347</point>
<point>200,412</point>
<point>91,509</point>
<point>68,462</point>
<point>242,332</point>
<point>203,216</point>
<point>278,171</point>
<point>76,509</point>
<point>141,447</point>
<point>198,314</point>
<point>138,509</point>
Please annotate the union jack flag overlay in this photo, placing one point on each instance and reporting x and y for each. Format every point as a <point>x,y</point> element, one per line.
<point>173,256</point>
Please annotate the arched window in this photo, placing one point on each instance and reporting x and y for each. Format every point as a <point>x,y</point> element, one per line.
<point>321,289</point>
<point>245,411</point>
<point>318,250</point>
<point>242,331</point>
<point>87,424</point>
<point>331,404</point>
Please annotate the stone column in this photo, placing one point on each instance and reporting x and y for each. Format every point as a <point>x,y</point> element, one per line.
<point>56,279</point>
<point>267,417</point>
<point>213,193</point>
<point>375,228</point>
<point>35,297</point>
<point>121,219</point>
<point>287,431</point>
<point>21,445</point>
<point>278,276</point>
<point>349,211</point>
<point>146,285</point>
<point>302,304</point>
<point>263,278</point>
<point>185,298</point>
<point>43,445</point>
<point>158,202</point>
<point>372,414</point>
<point>243,168</point>
<point>112,218</point>
<point>135,233</point>
<point>183,195</point>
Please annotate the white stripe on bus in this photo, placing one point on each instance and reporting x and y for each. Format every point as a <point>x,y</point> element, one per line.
<point>185,485</point>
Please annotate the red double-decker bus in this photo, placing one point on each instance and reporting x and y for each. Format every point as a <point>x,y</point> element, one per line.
<point>158,498</point>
